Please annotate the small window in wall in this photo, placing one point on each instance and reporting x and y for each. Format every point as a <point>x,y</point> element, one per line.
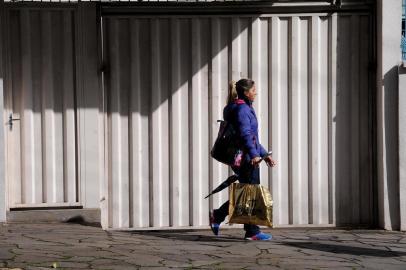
<point>404,30</point>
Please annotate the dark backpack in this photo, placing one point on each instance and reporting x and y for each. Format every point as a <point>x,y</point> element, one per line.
<point>226,148</point>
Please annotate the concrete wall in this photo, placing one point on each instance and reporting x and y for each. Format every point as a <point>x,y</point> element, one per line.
<point>389,55</point>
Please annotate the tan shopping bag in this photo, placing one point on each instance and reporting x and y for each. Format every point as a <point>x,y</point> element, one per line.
<point>250,204</point>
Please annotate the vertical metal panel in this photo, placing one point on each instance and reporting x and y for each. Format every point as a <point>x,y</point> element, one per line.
<point>43,142</point>
<point>48,97</point>
<point>354,121</point>
<point>353,163</point>
<point>366,136</point>
<point>199,122</point>
<point>140,72</point>
<point>69,128</point>
<point>32,167</point>
<point>220,29</point>
<point>332,168</point>
<point>14,82</point>
<point>309,101</point>
<point>319,120</point>
<point>160,121</point>
<point>240,47</point>
<point>180,121</point>
<point>343,119</point>
<point>119,121</point>
<point>323,128</point>
<point>299,125</point>
<point>280,119</point>
<point>3,146</point>
<point>260,73</point>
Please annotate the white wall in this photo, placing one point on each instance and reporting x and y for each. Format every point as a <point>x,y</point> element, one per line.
<point>2,174</point>
<point>389,55</point>
<point>90,121</point>
<point>312,108</point>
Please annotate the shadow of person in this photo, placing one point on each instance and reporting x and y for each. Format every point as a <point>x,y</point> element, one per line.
<point>345,249</point>
<point>190,235</point>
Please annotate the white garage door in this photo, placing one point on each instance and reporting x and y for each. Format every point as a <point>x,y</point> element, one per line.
<point>166,84</point>
<point>40,108</point>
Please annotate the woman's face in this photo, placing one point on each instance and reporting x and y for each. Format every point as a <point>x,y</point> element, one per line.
<point>251,94</point>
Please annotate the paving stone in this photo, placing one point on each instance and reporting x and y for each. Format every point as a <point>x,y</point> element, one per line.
<point>17,265</point>
<point>64,264</point>
<point>200,264</point>
<point>22,242</point>
<point>262,267</point>
<point>379,236</point>
<point>42,246</point>
<point>123,250</point>
<point>402,240</point>
<point>249,250</point>
<point>101,261</point>
<point>198,257</point>
<point>30,267</point>
<point>5,254</point>
<point>117,266</point>
<point>35,258</point>
<point>146,261</point>
<point>313,264</point>
<point>383,265</point>
<point>37,253</point>
<point>268,261</point>
<point>76,265</point>
<point>81,259</point>
<point>90,252</point>
<point>81,247</point>
<point>176,264</point>
<point>192,247</point>
<point>157,268</point>
<point>232,265</point>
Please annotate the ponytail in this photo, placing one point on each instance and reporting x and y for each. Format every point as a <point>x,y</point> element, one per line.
<point>232,92</point>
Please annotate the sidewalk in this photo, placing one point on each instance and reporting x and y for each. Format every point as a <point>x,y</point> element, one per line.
<point>73,246</point>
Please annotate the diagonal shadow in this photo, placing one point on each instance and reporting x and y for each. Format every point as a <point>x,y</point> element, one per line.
<point>184,236</point>
<point>345,249</point>
<point>150,59</point>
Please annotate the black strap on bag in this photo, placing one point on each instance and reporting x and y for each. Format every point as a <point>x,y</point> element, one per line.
<point>226,147</point>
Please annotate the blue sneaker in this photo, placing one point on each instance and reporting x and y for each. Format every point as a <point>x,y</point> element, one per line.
<point>260,237</point>
<point>215,227</point>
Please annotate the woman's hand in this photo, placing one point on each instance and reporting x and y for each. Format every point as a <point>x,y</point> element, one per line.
<point>255,161</point>
<point>269,161</point>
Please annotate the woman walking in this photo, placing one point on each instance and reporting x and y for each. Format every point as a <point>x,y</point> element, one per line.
<point>240,113</point>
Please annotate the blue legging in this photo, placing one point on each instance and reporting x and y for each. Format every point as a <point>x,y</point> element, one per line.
<point>246,174</point>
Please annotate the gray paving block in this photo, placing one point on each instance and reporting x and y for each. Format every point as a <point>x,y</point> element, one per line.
<point>79,247</point>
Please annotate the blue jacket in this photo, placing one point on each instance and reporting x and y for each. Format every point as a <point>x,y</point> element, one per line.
<point>242,116</point>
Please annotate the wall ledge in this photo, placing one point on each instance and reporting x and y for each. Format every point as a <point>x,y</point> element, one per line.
<point>90,216</point>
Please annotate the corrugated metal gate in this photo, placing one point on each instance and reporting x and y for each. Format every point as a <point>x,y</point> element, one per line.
<point>40,108</point>
<point>166,84</point>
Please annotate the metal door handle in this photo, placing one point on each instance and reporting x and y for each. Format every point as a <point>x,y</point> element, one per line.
<point>10,121</point>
